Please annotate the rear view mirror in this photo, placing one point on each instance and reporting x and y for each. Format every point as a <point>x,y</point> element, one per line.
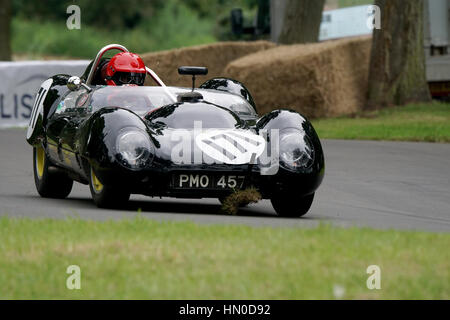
<point>74,84</point>
<point>194,71</point>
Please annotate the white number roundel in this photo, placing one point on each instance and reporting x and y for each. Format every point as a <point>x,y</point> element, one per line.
<point>230,146</point>
<point>38,106</point>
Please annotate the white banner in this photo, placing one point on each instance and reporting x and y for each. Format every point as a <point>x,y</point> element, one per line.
<point>19,82</point>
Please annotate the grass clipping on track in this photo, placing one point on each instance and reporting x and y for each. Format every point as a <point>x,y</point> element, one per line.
<point>146,259</point>
<point>240,198</point>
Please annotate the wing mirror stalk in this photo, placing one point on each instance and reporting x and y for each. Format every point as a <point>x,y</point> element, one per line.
<point>185,70</point>
<point>75,83</point>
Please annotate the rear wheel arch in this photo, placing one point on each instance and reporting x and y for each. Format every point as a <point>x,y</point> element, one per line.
<point>231,86</point>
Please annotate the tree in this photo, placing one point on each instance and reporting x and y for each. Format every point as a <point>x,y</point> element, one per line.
<point>397,63</point>
<point>301,21</point>
<point>5,30</point>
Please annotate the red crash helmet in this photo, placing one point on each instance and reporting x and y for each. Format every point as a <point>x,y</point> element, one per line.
<point>124,68</point>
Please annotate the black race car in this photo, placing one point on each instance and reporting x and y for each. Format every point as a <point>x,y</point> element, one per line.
<point>204,142</point>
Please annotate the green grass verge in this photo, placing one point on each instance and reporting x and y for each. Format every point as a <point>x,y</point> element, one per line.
<point>145,259</point>
<point>414,122</point>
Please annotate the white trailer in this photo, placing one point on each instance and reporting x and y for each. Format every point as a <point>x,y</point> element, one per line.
<point>352,21</point>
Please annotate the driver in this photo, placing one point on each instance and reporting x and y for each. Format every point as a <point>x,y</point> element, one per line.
<point>124,68</point>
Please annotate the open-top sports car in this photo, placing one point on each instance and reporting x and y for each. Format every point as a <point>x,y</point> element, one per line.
<point>205,142</point>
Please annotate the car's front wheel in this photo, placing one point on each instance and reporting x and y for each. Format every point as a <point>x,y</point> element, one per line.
<point>105,196</point>
<point>50,181</point>
<point>287,205</point>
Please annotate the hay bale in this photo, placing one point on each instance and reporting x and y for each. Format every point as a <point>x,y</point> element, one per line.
<point>214,56</point>
<point>318,80</point>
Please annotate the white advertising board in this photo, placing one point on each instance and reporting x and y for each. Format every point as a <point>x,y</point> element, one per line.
<point>19,82</point>
<point>345,22</point>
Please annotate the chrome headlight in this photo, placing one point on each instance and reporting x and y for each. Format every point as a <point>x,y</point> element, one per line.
<point>134,149</point>
<point>296,149</point>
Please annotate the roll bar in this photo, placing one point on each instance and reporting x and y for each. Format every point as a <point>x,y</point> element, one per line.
<point>155,77</point>
<point>119,47</point>
<point>100,55</point>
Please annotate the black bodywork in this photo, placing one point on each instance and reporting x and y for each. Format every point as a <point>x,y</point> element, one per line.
<point>78,131</point>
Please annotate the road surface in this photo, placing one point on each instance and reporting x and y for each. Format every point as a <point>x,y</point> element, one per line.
<point>399,185</point>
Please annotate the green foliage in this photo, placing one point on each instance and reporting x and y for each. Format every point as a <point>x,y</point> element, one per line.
<point>111,14</point>
<point>39,27</point>
<point>119,14</point>
<point>175,26</point>
<point>414,122</point>
<point>351,3</point>
<point>145,259</point>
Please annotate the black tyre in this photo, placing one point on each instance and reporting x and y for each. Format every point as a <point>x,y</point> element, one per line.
<point>290,205</point>
<point>221,199</point>
<point>106,196</point>
<point>50,181</point>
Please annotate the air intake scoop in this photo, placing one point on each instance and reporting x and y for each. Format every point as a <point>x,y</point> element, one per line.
<point>190,97</point>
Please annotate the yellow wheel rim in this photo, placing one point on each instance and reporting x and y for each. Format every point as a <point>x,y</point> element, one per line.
<point>40,161</point>
<point>96,184</point>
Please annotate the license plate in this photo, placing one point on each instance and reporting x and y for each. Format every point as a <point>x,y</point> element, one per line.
<point>206,181</point>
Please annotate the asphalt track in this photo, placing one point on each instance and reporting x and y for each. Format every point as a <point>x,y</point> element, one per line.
<point>399,185</point>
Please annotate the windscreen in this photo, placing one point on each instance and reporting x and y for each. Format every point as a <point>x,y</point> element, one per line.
<point>137,99</point>
<point>185,116</point>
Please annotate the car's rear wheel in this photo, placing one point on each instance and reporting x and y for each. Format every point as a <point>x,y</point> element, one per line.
<point>50,181</point>
<point>105,196</point>
<point>287,205</point>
